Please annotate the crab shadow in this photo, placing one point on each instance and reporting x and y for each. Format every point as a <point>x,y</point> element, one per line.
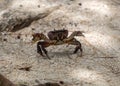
<point>67,54</point>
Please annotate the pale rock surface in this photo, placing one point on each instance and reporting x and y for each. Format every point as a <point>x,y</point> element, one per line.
<point>100,63</point>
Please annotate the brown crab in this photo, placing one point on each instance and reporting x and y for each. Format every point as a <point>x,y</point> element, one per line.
<point>56,37</point>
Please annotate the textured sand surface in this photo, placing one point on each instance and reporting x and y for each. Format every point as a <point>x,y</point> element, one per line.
<point>100,63</point>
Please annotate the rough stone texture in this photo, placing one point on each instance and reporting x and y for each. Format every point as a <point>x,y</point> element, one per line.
<point>99,65</point>
<point>14,20</point>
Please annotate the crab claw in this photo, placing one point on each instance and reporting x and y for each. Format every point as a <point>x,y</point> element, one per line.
<point>79,33</point>
<point>33,41</point>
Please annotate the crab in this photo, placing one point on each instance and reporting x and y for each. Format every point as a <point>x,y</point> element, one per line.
<point>56,37</point>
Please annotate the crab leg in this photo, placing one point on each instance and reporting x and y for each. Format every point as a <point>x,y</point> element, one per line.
<point>78,45</point>
<point>41,45</point>
<point>45,51</point>
<point>39,49</point>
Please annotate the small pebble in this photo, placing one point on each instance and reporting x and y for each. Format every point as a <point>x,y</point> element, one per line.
<point>80,4</point>
<point>38,6</point>
<point>21,5</point>
<point>5,40</point>
<point>18,37</point>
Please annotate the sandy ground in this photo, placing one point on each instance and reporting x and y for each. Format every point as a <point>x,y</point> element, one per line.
<point>100,63</point>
